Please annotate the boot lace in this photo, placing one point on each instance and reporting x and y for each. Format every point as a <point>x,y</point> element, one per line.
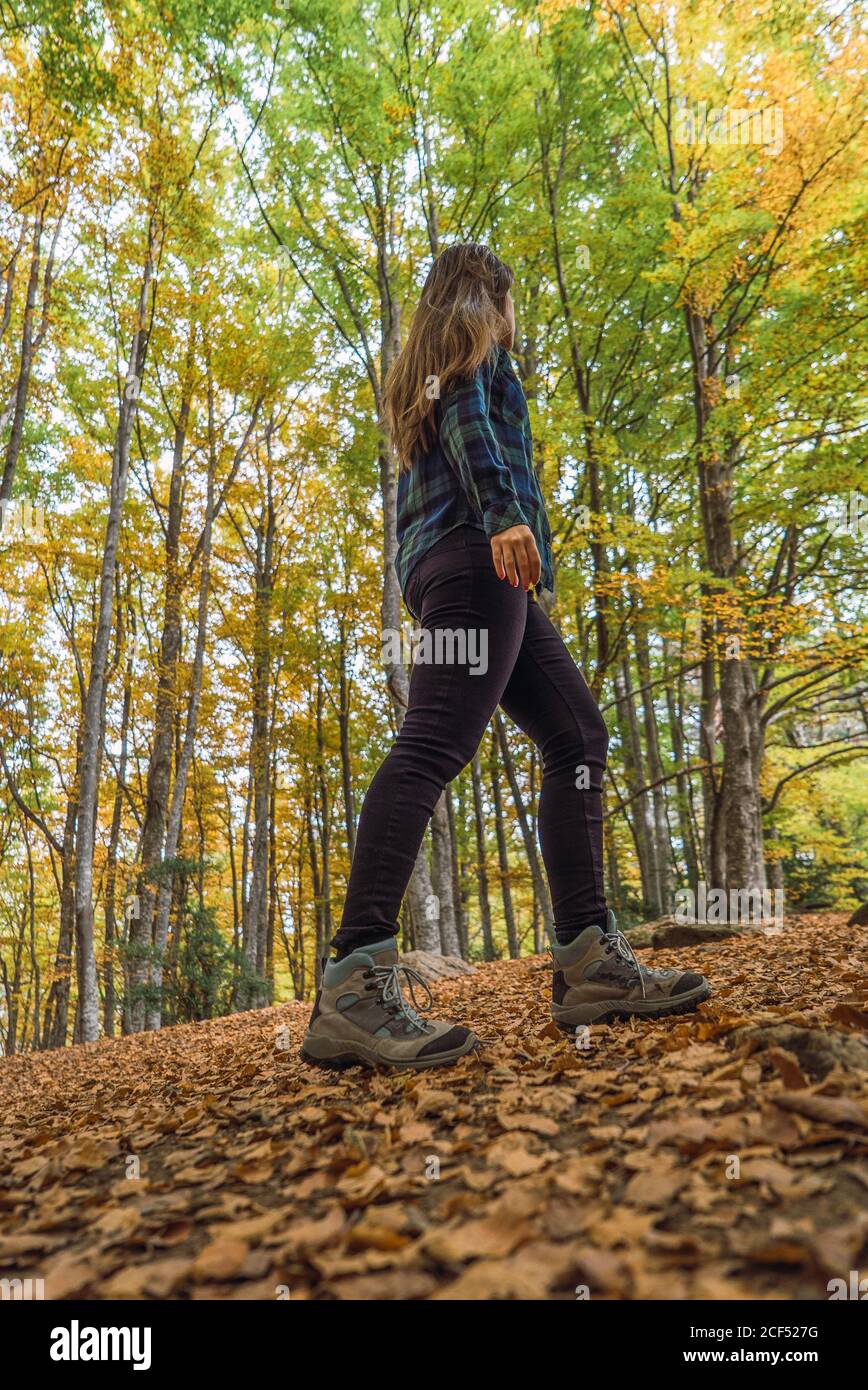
<point>388,983</point>
<point>617,942</point>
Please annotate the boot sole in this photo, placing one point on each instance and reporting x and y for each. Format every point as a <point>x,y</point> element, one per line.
<point>608,1009</point>
<point>337,1060</point>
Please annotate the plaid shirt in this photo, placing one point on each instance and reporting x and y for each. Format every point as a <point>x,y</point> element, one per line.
<point>478,473</point>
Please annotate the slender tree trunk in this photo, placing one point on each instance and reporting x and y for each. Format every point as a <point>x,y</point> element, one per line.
<point>185,758</point>
<point>502,852</point>
<point>441,874</point>
<point>90,758</point>
<point>256,906</point>
<point>12,986</point>
<point>613,872</point>
<point>141,939</point>
<point>662,836</point>
<point>25,363</point>
<point>527,833</point>
<point>457,893</point>
<point>233,870</point>
<point>344,737</point>
<point>714,849</point>
<point>642,822</point>
<point>56,1020</point>
<point>741,839</point>
<point>35,972</point>
<point>109,996</point>
<point>272,883</point>
<point>488,952</point>
<point>316,885</point>
<point>682,789</point>
<point>325,813</point>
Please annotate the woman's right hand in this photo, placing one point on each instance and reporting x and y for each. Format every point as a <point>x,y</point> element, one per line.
<point>516,556</point>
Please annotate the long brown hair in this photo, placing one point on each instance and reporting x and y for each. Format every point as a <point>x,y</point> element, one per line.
<point>459,318</point>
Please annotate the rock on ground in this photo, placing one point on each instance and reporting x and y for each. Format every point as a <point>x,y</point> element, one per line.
<point>433,967</point>
<point>669,932</point>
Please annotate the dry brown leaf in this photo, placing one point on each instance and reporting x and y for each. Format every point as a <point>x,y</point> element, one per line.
<point>833,1110</point>
<point>159,1279</point>
<point>488,1237</point>
<point>220,1259</point>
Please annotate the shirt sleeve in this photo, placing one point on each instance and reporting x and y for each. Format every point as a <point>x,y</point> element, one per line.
<point>471,446</point>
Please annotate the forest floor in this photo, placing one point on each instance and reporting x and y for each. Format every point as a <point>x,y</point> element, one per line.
<point>717,1155</point>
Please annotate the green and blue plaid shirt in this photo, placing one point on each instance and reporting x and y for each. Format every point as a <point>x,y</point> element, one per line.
<point>478,473</point>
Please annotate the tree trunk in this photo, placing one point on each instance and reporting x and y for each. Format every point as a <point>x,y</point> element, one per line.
<point>458,892</point>
<point>91,750</point>
<point>316,884</point>
<point>325,815</point>
<point>641,822</point>
<point>742,840</point>
<point>662,837</point>
<point>344,737</point>
<point>56,1020</point>
<point>481,869</point>
<point>528,836</point>
<point>255,918</point>
<point>441,874</point>
<point>109,998</point>
<point>185,758</point>
<point>682,786</point>
<point>502,852</point>
<point>141,939</point>
<point>25,364</point>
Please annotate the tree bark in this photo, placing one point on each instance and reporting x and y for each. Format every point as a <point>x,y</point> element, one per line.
<point>91,750</point>
<point>662,846</point>
<point>441,875</point>
<point>109,995</point>
<point>528,836</point>
<point>502,852</point>
<point>641,822</point>
<point>458,892</point>
<point>255,913</point>
<point>741,811</point>
<point>481,868</point>
<point>141,938</point>
<point>185,759</point>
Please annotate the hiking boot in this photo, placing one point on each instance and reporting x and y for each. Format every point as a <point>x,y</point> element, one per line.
<point>361,1017</point>
<point>597,977</point>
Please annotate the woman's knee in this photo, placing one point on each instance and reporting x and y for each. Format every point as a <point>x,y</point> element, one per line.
<point>439,756</point>
<point>582,744</point>
<point>596,736</point>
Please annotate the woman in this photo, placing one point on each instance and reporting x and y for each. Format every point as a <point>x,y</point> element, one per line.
<point>474,550</point>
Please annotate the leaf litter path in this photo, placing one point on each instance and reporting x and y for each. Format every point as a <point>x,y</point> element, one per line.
<point>718,1155</point>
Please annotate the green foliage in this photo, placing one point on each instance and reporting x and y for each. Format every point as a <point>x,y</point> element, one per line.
<point>203,976</point>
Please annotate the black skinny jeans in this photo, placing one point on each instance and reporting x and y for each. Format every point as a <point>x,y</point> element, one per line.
<point>455,595</point>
